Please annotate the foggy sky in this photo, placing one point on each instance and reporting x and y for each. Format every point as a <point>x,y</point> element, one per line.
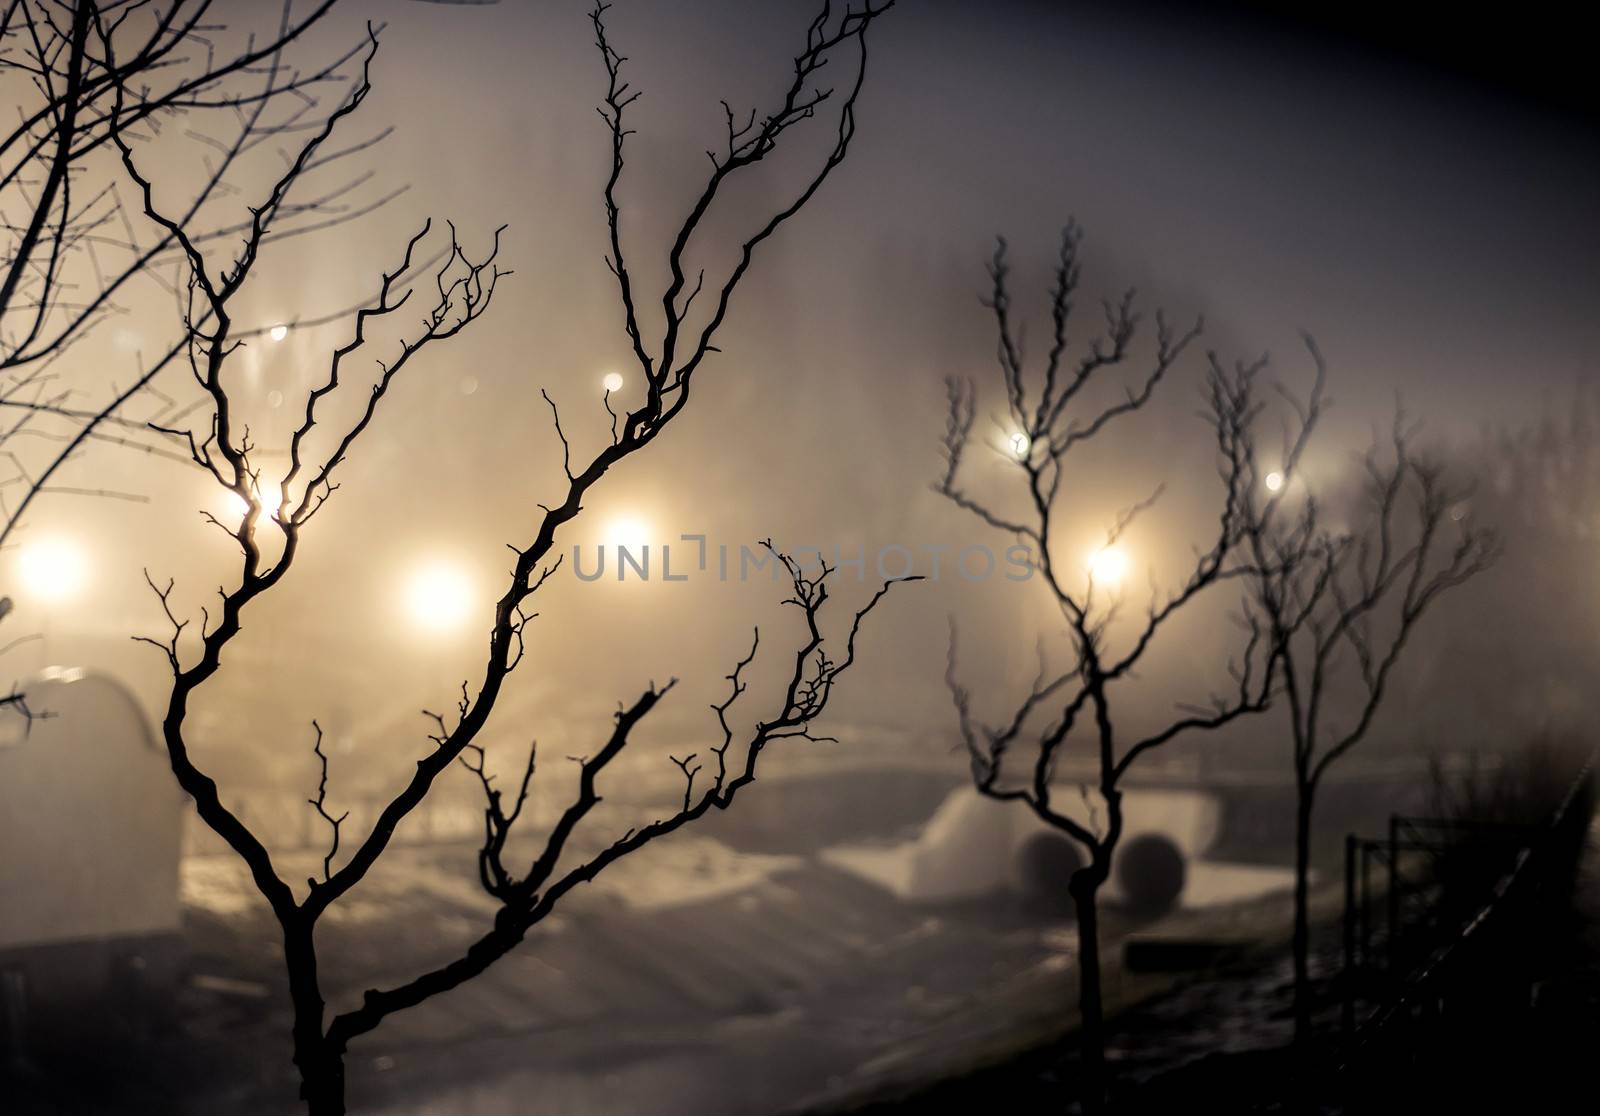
<point>1435,230</point>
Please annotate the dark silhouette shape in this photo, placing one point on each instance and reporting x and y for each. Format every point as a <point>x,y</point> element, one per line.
<point>1046,865</point>
<point>1151,871</point>
<point>456,294</point>
<point>1077,703</point>
<point>1342,604</point>
<point>70,251</point>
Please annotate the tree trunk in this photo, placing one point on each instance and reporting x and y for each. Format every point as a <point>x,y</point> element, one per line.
<point>1085,889</point>
<point>321,1065</point>
<point>1302,916</point>
<point>321,1078</point>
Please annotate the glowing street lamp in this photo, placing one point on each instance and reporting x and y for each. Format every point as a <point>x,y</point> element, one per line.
<point>439,597</point>
<point>629,532</point>
<point>53,570</point>
<point>1108,565</point>
<point>1274,481</point>
<point>613,381</point>
<point>269,495</point>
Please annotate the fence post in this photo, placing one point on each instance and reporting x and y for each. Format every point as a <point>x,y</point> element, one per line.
<point>1366,903</point>
<point>1392,950</point>
<point>1348,1019</point>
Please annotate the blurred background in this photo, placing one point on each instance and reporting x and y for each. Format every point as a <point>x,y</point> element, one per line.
<point>1426,214</point>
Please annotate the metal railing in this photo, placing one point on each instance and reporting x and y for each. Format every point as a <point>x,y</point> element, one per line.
<point>1400,899</point>
<point>1459,949</point>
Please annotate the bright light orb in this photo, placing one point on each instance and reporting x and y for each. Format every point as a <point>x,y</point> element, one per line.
<point>278,332</point>
<point>53,570</point>
<point>613,381</point>
<point>270,497</point>
<point>1274,481</point>
<point>1020,445</point>
<point>626,531</point>
<point>1108,565</point>
<point>439,597</point>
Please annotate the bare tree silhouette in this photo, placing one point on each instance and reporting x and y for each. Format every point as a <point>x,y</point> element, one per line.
<point>75,256</point>
<point>456,294</point>
<point>1341,604</point>
<point>1075,704</point>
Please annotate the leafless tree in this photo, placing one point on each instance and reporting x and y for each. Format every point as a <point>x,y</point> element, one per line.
<point>1341,603</point>
<point>75,256</point>
<point>1076,707</point>
<point>73,251</point>
<point>455,295</point>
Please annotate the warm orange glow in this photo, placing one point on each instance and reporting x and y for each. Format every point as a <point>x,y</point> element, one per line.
<point>439,597</point>
<point>270,497</point>
<point>627,531</point>
<point>1108,565</point>
<point>53,569</point>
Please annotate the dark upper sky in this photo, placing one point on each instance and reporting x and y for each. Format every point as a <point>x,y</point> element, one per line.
<point>1533,53</point>
<point>1422,200</point>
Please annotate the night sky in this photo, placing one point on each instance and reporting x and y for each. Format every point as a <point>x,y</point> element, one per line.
<point>1425,208</point>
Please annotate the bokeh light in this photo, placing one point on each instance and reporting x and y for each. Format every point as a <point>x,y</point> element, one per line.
<point>1108,565</point>
<point>439,597</point>
<point>53,569</point>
